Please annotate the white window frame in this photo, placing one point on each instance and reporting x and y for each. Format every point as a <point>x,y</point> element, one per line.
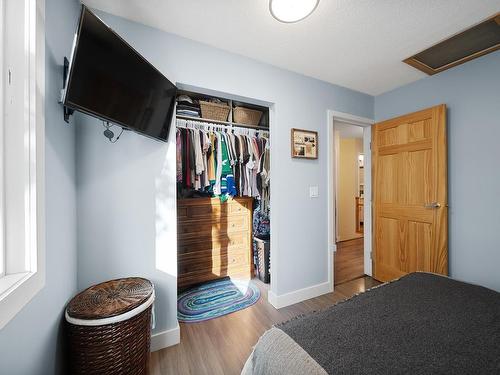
<point>2,241</point>
<point>22,273</point>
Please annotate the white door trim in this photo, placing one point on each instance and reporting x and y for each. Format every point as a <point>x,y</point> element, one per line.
<point>333,116</point>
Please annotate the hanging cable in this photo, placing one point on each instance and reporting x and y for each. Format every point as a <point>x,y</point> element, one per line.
<point>109,134</point>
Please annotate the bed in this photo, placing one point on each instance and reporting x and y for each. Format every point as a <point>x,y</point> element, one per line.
<point>419,324</point>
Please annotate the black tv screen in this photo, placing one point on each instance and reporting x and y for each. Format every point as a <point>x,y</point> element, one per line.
<point>110,80</point>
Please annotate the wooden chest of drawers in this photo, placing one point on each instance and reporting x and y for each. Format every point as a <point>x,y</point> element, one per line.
<point>214,239</point>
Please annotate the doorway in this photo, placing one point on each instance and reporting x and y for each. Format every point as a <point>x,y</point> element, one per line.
<point>349,195</point>
<point>349,201</point>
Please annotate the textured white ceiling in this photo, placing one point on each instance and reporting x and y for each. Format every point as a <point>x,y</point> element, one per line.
<point>353,43</point>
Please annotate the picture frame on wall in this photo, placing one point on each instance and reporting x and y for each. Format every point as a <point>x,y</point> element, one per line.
<point>304,144</point>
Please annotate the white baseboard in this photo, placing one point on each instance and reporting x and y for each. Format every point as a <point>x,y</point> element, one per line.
<point>291,298</point>
<point>166,338</point>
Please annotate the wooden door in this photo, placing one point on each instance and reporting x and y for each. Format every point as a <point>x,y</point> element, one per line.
<point>410,202</point>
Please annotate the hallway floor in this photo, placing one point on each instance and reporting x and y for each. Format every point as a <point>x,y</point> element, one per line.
<point>349,260</point>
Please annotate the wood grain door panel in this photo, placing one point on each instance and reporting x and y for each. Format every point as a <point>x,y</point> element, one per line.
<point>420,239</point>
<point>409,156</point>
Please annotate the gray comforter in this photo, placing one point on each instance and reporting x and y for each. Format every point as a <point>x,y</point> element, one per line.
<point>419,324</point>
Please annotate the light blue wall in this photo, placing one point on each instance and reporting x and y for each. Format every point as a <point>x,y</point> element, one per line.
<point>126,191</point>
<point>472,94</point>
<point>30,343</point>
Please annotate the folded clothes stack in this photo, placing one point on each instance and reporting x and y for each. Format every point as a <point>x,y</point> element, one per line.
<point>187,106</point>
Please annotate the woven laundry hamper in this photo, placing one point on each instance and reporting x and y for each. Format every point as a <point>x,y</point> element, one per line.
<point>109,328</point>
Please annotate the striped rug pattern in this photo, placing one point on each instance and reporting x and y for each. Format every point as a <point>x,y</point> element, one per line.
<point>215,298</point>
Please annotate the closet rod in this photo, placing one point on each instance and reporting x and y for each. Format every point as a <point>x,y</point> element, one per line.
<point>227,123</point>
<point>194,124</point>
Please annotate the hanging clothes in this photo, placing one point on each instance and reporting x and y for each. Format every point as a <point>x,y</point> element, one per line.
<point>265,178</point>
<point>220,161</point>
<point>178,154</point>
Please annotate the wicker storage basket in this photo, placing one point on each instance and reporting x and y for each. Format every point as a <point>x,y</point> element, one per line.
<point>246,116</point>
<point>214,111</point>
<point>109,328</point>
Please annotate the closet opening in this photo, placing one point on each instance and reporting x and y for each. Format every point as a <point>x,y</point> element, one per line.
<point>223,204</point>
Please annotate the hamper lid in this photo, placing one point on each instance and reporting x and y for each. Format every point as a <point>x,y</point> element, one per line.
<point>111,298</point>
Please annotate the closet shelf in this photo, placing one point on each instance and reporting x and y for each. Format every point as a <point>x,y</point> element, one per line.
<point>227,123</point>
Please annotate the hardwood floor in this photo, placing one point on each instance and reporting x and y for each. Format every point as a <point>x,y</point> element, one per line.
<point>349,261</point>
<point>222,345</point>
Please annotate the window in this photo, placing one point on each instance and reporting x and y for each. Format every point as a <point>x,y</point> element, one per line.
<point>22,263</point>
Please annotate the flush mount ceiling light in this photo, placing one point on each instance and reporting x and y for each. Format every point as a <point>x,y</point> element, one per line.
<point>290,11</point>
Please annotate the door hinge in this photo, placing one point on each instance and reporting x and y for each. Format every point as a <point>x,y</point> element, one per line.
<point>371,255</point>
<point>10,77</point>
<point>370,145</point>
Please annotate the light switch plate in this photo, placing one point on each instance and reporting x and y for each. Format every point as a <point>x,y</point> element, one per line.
<point>313,192</point>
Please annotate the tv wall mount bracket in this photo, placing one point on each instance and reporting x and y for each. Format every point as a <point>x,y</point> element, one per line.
<point>67,112</point>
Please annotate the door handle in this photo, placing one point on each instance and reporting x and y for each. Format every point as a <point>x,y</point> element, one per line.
<point>432,205</point>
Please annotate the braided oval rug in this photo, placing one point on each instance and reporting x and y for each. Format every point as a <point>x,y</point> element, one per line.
<point>215,298</point>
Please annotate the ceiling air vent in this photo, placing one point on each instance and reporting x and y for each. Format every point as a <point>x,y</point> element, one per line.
<point>469,44</point>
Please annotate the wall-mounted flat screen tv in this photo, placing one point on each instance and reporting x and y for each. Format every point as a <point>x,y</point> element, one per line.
<point>110,80</point>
